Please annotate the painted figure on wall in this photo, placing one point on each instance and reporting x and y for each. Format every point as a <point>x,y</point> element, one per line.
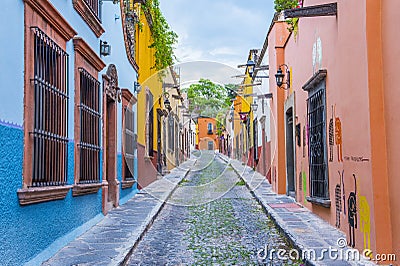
<point>300,182</point>
<point>338,200</point>
<point>304,141</point>
<point>352,214</point>
<point>365,222</point>
<point>338,137</point>
<point>331,137</point>
<point>304,186</point>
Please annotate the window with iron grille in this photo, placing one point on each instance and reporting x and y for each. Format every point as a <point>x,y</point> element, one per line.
<point>209,129</point>
<point>50,137</point>
<point>317,142</point>
<point>130,144</point>
<point>89,112</point>
<point>150,123</point>
<point>94,6</point>
<point>255,136</point>
<point>171,132</point>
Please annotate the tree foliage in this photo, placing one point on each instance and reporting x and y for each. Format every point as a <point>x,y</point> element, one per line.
<point>285,4</point>
<point>208,99</point>
<point>164,38</point>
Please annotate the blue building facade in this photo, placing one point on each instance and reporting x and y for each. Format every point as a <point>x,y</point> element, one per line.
<point>67,122</point>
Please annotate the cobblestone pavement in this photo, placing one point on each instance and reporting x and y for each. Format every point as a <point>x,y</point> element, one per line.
<point>224,227</point>
<point>308,231</point>
<point>110,241</point>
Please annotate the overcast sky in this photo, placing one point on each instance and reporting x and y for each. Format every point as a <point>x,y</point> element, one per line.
<point>218,30</point>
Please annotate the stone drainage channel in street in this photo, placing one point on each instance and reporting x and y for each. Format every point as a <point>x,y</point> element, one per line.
<point>211,219</point>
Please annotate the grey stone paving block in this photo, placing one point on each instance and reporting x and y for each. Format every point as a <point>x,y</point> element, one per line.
<point>109,242</point>
<point>311,231</point>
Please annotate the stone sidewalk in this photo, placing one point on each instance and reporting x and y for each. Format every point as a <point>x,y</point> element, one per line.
<point>304,229</point>
<point>112,240</point>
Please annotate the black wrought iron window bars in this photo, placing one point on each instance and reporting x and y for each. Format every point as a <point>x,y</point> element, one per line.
<point>50,133</point>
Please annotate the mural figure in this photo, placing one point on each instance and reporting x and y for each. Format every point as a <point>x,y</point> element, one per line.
<point>343,194</point>
<point>300,182</point>
<point>304,141</point>
<point>331,137</point>
<point>338,200</point>
<point>338,137</point>
<point>304,186</point>
<point>352,214</point>
<point>365,222</point>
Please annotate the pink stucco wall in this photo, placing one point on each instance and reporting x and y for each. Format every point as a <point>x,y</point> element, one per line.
<point>344,46</point>
<point>391,55</point>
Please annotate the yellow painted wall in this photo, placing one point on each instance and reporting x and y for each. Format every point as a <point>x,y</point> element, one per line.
<point>147,78</point>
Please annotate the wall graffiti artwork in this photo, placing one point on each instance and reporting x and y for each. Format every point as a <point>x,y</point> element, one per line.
<point>331,136</point>
<point>352,213</point>
<point>365,222</point>
<point>338,199</point>
<point>300,182</point>
<point>338,137</point>
<point>304,185</point>
<point>304,141</point>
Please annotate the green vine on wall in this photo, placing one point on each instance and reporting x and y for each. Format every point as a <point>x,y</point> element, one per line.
<point>164,38</point>
<point>293,23</point>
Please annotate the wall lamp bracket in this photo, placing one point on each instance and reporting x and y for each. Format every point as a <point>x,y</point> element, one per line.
<point>280,76</point>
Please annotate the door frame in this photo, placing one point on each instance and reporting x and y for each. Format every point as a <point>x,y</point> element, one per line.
<point>290,105</point>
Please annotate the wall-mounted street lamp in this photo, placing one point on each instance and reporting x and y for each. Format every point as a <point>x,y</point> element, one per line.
<point>280,76</point>
<point>167,103</point>
<point>254,106</point>
<point>251,65</point>
<point>105,48</point>
<point>136,87</point>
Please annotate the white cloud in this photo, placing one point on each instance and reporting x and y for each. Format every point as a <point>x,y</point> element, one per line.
<point>218,30</point>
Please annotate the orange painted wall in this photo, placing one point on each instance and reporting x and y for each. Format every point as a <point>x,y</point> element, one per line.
<point>391,78</point>
<point>203,136</point>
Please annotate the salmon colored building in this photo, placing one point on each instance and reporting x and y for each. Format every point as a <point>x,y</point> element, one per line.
<point>337,132</point>
<point>207,133</point>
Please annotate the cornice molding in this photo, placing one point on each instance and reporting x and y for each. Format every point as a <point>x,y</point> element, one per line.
<point>312,11</point>
<point>315,80</point>
<point>128,51</point>
<point>128,96</point>
<point>88,16</point>
<point>87,52</point>
<point>49,13</point>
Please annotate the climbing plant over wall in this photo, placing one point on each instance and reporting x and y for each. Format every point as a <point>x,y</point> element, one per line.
<point>281,5</point>
<point>164,38</point>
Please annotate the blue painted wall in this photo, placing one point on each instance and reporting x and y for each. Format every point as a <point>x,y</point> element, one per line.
<point>26,231</point>
<point>30,231</point>
<point>12,60</point>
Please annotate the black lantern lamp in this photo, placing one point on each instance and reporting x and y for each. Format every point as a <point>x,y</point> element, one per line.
<point>254,106</point>
<point>279,76</point>
<point>167,103</point>
<point>105,48</point>
<point>251,65</point>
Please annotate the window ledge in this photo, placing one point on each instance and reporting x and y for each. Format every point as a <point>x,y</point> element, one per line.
<point>33,195</point>
<point>89,17</point>
<point>127,183</point>
<point>84,189</point>
<point>319,201</point>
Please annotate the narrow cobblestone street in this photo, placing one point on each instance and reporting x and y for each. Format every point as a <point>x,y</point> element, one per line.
<point>225,226</point>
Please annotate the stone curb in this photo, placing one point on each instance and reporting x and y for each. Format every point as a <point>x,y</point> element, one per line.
<point>282,224</point>
<point>123,259</point>
<point>125,248</point>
